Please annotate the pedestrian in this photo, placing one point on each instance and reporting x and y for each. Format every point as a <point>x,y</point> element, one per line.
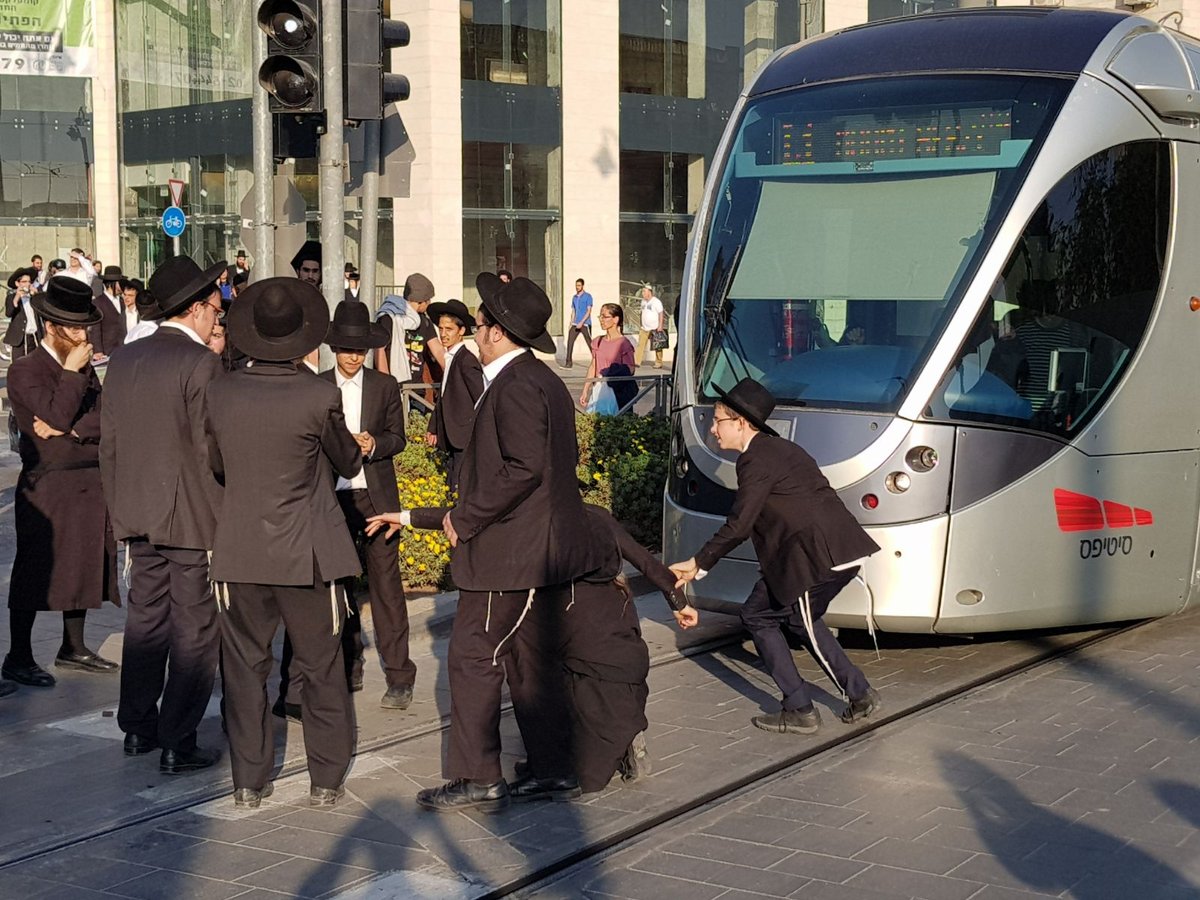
<point>276,437</point>
<point>35,263</point>
<point>413,351</point>
<point>307,263</point>
<point>66,557</point>
<point>148,315</point>
<point>581,322</point>
<point>109,333</point>
<point>80,267</point>
<point>162,497</point>
<point>462,386</point>
<point>809,547</point>
<point>240,266</point>
<point>352,281</point>
<point>612,357</point>
<point>653,322</point>
<point>25,329</point>
<point>517,548</point>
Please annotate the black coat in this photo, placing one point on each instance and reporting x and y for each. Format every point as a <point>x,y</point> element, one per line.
<point>15,334</point>
<point>455,410</point>
<point>109,333</point>
<point>276,436</point>
<point>382,417</point>
<point>799,526</point>
<point>154,453</point>
<point>520,517</point>
<point>66,558</point>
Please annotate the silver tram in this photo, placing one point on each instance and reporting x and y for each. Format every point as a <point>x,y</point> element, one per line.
<point>962,250</point>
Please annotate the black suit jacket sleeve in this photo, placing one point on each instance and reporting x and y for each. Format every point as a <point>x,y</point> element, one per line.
<point>10,304</point>
<point>392,440</point>
<point>341,449</point>
<point>56,405</point>
<point>522,428</point>
<point>642,559</point>
<point>428,518</point>
<point>754,486</point>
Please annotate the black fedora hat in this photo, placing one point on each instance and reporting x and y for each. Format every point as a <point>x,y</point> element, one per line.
<point>520,307</point>
<point>30,271</point>
<point>308,250</point>
<point>179,282</point>
<point>751,401</point>
<point>112,273</point>
<point>278,319</point>
<point>66,301</point>
<point>455,308</point>
<point>352,328</point>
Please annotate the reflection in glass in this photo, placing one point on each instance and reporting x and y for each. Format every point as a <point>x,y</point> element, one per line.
<point>509,41</point>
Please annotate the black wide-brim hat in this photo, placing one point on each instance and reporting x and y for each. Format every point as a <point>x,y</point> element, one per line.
<point>454,308</point>
<point>12,279</point>
<point>66,301</point>
<point>751,401</point>
<point>352,328</point>
<point>147,306</point>
<point>520,307</point>
<point>308,250</point>
<point>112,273</point>
<point>278,319</point>
<point>179,282</point>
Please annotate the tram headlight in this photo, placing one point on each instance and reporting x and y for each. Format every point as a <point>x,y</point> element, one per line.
<point>921,459</point>
<point>898,482</point>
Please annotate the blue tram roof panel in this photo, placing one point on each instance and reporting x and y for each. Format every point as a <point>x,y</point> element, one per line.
<point>1058,41</point>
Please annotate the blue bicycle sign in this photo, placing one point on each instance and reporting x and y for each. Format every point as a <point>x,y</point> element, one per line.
<point>173,221</point>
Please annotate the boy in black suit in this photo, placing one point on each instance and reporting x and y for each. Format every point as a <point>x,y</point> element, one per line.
<point>462,386</point>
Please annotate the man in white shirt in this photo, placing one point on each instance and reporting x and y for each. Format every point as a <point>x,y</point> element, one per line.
<point>80,267</point>
<point>653,319</point>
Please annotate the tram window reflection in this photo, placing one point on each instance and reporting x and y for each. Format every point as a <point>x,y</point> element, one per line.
<point>1075,298</point>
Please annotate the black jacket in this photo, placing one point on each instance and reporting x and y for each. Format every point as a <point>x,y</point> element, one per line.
<point>455,410</point>
<point>275,437</point>
<point>153,450</point>
<point>15,310</point>
<point>383,418</point>
<point>109,333</point>
<point>799,526</point>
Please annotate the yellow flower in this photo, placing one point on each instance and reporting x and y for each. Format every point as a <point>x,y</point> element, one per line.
<point>408,560</point>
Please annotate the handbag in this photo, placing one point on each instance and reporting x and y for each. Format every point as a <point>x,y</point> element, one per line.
<point>603,401</point>
<point>659,340</point>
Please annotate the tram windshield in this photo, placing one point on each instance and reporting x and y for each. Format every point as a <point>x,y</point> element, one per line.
<point>849,219</point>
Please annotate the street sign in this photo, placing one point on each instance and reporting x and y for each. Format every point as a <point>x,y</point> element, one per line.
<point>176,186</point>
<point>173,221</point>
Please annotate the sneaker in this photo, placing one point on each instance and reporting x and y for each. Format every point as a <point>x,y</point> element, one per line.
<point>790,721</point>
<point>397,697</point>
<point>323,796</point>
<point>862,708</point>
<point>635,763</point>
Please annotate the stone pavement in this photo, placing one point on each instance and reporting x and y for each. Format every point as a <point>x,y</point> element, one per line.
<point>1079,778</point>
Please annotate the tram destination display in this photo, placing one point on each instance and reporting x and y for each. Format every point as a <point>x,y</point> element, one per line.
<point>903,134</point>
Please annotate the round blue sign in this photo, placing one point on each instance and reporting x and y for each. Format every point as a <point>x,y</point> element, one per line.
<point>173,221</point>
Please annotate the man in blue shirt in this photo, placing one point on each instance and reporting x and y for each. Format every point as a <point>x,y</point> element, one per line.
<point>581,320</point>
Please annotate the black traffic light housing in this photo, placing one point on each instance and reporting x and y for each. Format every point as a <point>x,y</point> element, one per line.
<point>291,73</point>
<point>368,36</point>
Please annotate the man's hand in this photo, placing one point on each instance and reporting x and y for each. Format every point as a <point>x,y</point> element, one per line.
<point>430,440</point>
<point>44,431</point>
<point>448,530</point>
<point>687,617</point>
<point>365,442</point>
<point>78,357</point>
<point>684,571</point>
<point>391,519</point>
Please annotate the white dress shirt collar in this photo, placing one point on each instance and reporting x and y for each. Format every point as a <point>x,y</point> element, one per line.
<point>493,369</point>
<point>188,331</point>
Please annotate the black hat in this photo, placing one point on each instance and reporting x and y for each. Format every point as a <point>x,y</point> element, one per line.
<point>112,273</point>
<point>353,329</point>
<point>241,254</point>
<point>278,319</point>
<point>309,250</point>
<point>147,306</point>
<point>417,288</point>
<point>353,275</point>
<point>752,402</point>
<point>455,308</point>
<point>56,264</point>
<point>29,270</point>
<point>66,301</point>
<point>520,307</point>
<point>179,282</point>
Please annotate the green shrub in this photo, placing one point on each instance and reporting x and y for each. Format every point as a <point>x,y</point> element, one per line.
<point>623,467</point>
<point>421,477</point>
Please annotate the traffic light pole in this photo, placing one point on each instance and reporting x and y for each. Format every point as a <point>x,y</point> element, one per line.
<point>369,236</point>
<point>329,162</point>
<point>264,170</point>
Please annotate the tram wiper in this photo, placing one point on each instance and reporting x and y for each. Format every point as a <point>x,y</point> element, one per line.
<point>717,317</point>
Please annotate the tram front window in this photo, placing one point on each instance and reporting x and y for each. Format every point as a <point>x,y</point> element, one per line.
<point>849,219</point>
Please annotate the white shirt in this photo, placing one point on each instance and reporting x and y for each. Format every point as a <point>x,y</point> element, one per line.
<point>652,310</point>
<point>495,367</point>
<point>351,389</point>
<point>195,337</point>
<point>30,316</point>
<point>450,354</point>
<point>131,317</point>
<point>116,300</point>
<point>142,329</point>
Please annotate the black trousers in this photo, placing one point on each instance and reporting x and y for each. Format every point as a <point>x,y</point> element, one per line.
<point>767,623</point>
<point>171,645</point>
<point>501,634</point>
<point>573,332</point>
<point>606,663</point>
<point>314,622</point>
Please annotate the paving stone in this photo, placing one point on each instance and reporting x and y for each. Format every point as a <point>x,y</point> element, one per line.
<point>907,882</point>
<point>93,872</point>
<point>742,853</point>
<point>347,849</point>
<point>636,884</point>
<point>775,884</point>
<point>1014,872</point>
<point>829,868</point>
<point>748,827</point>
<point>177,886</point>
<point>824,890</point>
<point>217,860</point>
<point>909,855</point>
<point>803,811</point>
<point>305,877</point>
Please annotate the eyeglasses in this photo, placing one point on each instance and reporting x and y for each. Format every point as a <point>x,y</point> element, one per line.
<point>717,419</point>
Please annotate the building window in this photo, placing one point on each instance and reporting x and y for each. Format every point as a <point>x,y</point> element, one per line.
<point>510,41</point>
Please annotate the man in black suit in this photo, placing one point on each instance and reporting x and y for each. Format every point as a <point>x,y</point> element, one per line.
<point>162,498</point>
<point>371,405</point>
<point>809,547</point>
<point>276,436</point>
<point>518,547</point>
<point>109,333</point>
<point>462,386</point>
<point>25,330</point>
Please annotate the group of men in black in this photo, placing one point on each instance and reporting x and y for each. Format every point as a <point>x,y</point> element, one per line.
<point>237,495</point>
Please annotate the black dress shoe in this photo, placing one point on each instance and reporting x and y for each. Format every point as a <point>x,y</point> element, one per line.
<point>530,789</point>
<point>180,762</point>
<point>7,687</point>
<point>286,710</point>
<point>87,661</point>
<point>397,697</point>
<point>319,796</point>
<point>862,708</point>
<point>790,721</point>
<point>252,797</point>
<point>462,794</point>
<point>32,675</point>
<point>136,745</point>
<point>354,683</point>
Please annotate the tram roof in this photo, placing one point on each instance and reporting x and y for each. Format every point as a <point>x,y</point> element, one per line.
<point>1059,41</point>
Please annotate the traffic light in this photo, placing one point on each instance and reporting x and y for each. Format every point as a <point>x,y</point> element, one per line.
<point>291,73</point>
<point>368,36</point>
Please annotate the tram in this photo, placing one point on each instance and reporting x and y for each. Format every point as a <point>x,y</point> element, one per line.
<point>963,250</point>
